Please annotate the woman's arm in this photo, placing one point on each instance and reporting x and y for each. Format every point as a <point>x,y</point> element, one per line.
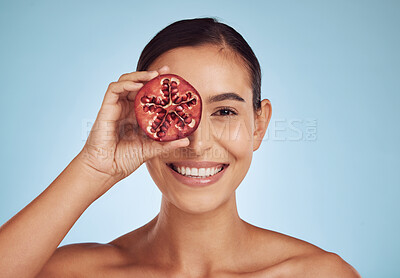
<point>29,239</point>
<point>115,148</point>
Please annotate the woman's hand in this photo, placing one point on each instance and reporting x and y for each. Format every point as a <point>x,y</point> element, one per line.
<point>115,148</point>
<point>116,145</point>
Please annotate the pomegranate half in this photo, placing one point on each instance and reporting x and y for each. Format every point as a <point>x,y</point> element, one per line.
<point>168,108</point>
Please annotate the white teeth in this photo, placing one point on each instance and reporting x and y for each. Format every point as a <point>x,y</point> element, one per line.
<point>194,172</point>
<point>198,172</point>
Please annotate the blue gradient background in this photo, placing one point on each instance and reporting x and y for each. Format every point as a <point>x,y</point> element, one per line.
<point>334,64</point>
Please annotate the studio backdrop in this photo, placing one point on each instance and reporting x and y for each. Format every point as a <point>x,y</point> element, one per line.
<point>327,171</point>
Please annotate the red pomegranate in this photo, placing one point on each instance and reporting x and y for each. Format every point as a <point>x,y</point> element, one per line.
<point>168,108</point>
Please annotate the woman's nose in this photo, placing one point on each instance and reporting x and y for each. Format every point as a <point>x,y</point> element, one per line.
<point>201,139</point>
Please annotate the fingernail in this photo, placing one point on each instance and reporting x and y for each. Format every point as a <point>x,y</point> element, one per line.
<point>163,68</point>
<point>184,141</point>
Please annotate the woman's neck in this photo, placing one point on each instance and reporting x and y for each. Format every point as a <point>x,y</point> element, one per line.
<point>200,240</point>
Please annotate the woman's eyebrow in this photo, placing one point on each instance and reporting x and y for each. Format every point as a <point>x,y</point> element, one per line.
<point>225,96</point>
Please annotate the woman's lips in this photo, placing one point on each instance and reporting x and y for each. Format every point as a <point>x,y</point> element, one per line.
<point>197,174</point>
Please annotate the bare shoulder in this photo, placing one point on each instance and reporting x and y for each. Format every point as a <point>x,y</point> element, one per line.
<point>80,260</point>
<point>298,258</point>
<point>93,259</point>
<point>329,265</point>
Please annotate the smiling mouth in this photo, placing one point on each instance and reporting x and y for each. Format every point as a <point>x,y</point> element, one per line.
<point>193,172</point>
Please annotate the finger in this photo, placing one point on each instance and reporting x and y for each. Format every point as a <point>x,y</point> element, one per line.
<point>131,96</point>
<point>163,70</point>
<point>153,148</point>
<point>139,76</point>
<point>117,90</point>
<point>111,109</point>
<point>169,146</point>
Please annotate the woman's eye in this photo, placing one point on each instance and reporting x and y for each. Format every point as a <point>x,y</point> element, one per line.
<point>225,112</point>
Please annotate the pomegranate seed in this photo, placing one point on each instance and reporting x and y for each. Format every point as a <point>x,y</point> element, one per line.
<point>180,123</point>
<point>145,99</point>
<point>160,134</point>
<point>188,120</point>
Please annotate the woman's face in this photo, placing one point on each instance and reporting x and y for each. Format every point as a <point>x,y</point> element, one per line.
<point>224,138</point>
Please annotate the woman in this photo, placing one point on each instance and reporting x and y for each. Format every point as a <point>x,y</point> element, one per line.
<point>198,232</point>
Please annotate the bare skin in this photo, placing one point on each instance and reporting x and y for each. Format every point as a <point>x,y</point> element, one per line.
<point>197,233</point>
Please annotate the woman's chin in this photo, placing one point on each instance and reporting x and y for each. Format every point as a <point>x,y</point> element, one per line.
<point>198,204</point>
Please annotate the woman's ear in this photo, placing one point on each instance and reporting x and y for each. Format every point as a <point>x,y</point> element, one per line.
<point>261,121</point>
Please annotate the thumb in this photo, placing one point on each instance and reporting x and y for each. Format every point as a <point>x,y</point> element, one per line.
<point>153,148</point>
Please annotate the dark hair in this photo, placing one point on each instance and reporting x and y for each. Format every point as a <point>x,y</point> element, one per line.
<point>200,31</point>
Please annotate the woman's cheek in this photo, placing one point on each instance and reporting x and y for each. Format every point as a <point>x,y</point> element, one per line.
<point>235,135</point>
<point>154,167</point>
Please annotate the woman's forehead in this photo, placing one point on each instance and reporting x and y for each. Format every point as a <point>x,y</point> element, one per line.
<point>208,68</point>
